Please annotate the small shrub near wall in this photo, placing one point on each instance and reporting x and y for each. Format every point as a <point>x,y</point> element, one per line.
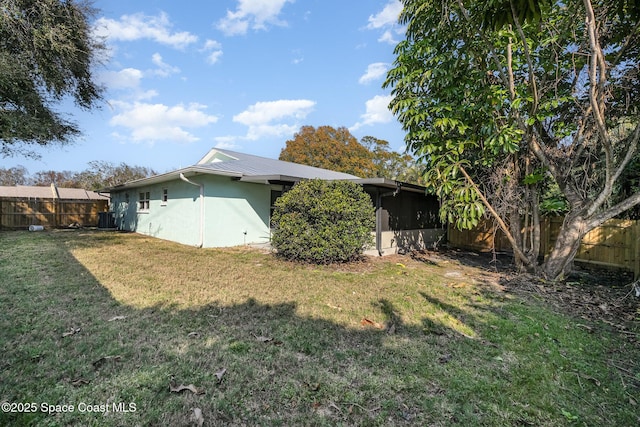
<point>323,222</point>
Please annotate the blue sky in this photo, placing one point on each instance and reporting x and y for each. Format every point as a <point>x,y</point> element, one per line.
<point>183,77</point>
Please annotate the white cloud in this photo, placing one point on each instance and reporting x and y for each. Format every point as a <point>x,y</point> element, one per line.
<point>155,122</point>
<point>213,50</point>
<point>257,132</point>
<point>226,142</point>
<point>264,112</point>
<point>127,78</point>
<point>127,81</point>
<point>298,57</point>
<point>140,26</point>
<point>387,20</point>
<point>274,118</point>
<point>387,37</point>
<point>164,69</point>
<point>377,111</point>
<point>254,14</point>
<point>387,17</point>
<point>374,72</point>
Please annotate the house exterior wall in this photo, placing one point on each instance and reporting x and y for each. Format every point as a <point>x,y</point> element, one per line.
<point>235,213</point>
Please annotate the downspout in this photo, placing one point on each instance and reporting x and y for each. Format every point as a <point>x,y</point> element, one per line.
<point>378,222</point>
<point>201,231</point>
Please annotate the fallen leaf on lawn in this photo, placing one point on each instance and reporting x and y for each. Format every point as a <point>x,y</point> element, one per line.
<point>71,331</point>
<point>366,322</point>
<point>445,358</point>
<point>391,329</point>
<point>181,388</point>
<point>588,328</point>
<point>334,406</point>
<point>79,382</point>
<point>263,338</point>
<point>220,374</point>
<point>457,285</point>
<point>196,417</point>
<point>117,318</point>
<point>193,335</point>
<point>313,386</point>
<point>104,359</point>
<point>592,379</point>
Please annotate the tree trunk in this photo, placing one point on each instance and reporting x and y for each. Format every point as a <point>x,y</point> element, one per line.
<point>559,262</point>
<point>515,226</point>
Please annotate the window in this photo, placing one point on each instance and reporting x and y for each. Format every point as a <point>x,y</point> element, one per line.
<point>143,201</point>
<point>165,197</point>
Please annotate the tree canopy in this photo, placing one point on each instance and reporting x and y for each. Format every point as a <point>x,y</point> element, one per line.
<point>502,104</point>
<point>329,148</point>
<point>47,53</point>
<point>337,149</point>
<point>100,174</point>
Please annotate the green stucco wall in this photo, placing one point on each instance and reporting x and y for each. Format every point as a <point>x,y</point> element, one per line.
<point>235,213</point>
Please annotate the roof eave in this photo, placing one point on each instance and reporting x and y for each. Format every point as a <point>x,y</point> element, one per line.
<point>391,183</point>
<point>169,176</point>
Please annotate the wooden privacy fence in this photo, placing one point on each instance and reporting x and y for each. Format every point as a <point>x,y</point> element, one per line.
<point>616,243</point>
<point>21,212</point>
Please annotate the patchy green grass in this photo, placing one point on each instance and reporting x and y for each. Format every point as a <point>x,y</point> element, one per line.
<point>110,322</point>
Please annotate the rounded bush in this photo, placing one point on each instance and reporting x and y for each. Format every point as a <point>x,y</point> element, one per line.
<point>323,222</point>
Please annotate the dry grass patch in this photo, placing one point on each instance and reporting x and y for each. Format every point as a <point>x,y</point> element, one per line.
<point>143,272</point>
<point>111,318</point>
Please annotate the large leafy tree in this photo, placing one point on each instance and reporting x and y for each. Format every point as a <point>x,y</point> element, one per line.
<point>329,148</point>
<point>99,175</point>
<point>504,99</point>
<point>337,149</point>
<point>389,163</point>
<point>47,53</point>
<point>16,175</point>
<point>102,174</point>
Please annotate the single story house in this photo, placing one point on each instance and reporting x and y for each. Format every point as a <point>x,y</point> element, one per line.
<point>227,198</point>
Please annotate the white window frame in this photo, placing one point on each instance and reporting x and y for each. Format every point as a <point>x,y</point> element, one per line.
<point>144,201</point>
<point>165,197</point>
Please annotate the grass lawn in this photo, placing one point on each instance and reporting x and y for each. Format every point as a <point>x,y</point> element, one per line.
<point>131,330</point>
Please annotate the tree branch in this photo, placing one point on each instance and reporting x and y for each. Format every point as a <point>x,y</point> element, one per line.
<point>516,249</point>
<point>527,54</point>
<point>608,187</point>
<point>617,209</point>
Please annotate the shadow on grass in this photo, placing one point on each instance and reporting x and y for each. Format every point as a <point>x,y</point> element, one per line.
<point>67,341</point>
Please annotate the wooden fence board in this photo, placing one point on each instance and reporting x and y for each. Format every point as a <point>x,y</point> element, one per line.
<point>18,213</point>
<point>616,243</point>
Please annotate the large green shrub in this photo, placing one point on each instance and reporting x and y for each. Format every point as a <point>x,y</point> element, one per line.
<point>323,222</point>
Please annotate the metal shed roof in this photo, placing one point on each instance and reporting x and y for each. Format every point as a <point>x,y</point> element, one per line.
<point>51,192</point>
